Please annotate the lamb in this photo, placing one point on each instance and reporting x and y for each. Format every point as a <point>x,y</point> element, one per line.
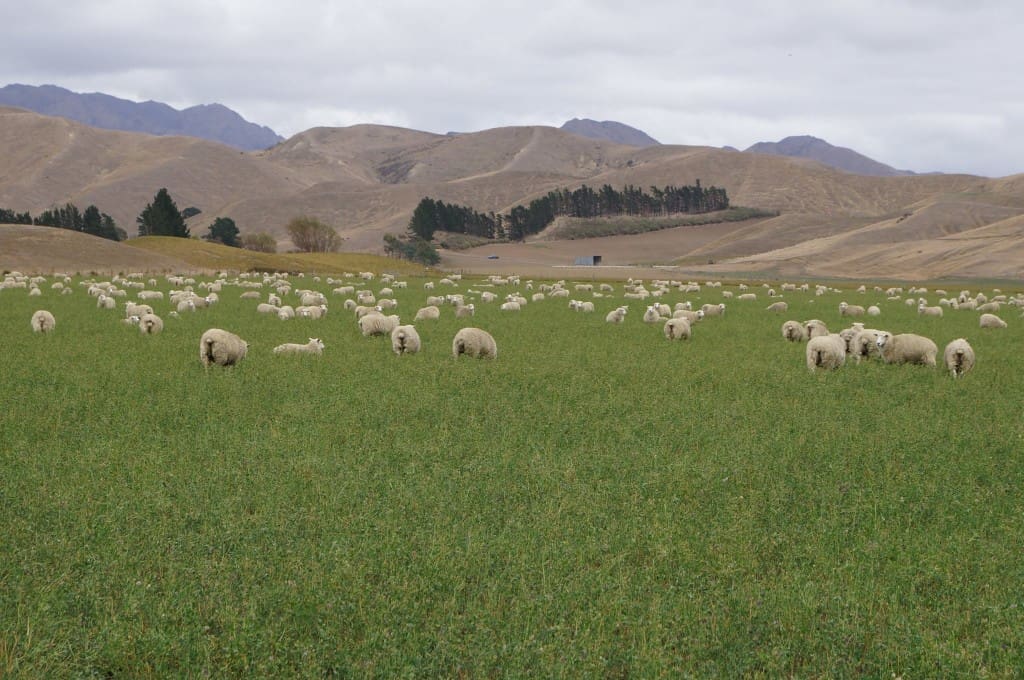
<point>465,311</point>
<point>991,321</point>
<point>405,340</point>
<point>377,324</point>
<point>43,321</point>
<point>314,346</point>
<point>959,357</point>
<point>150,324</point>
<point>826,351</point>
<point>474,342</point>
<point>677,329</point>
<point>906,348</point>
<point>221,347</point>
<point>429,312</point>
<point>794,331</point>
<point>617,315</point>
<point>777,307</point>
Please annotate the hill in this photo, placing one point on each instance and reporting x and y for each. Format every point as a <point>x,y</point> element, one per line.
<point>213,122</point>
<point>815,149</point>
<point>367,179</point>
<point>609,130</point>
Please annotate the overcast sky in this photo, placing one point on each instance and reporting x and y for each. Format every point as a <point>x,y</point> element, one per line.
<point>921,85</point>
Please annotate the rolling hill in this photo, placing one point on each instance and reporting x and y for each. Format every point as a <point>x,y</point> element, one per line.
<point>366,180</point>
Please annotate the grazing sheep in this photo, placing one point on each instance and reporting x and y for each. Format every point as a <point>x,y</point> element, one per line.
<point>794,331</point>
<point>617,315</point>
<point>959,357</point>
<point>864,345</point>
<point>186,306</point>
<point>286,313</point>
<point>221,347</point>
<point>150,324</point>
<point>777,307</point>
<point>873,310</point>
<point>132,309</point>
<point>747,296</point>
<point>690,316</point>
<point>267,308</point>
<point>510,306</point>
<point>815,328</point>
<point>429,312</point>
<point>105,302</point>
<point>713,310</point>
<point>677,329</point>
<point>906,348</point>
<point>377,324</point>
<point>474,342</point>
<point>928,311</point>
<point>465,311</point>
<point>991,321</point>
<point>651,315</point>
<point>405,340</point>
<point>826,351</point>
<point>43,321</point>
<point>314,346</point>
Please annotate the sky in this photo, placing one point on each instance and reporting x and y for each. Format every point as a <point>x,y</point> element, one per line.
<point>919,85</point>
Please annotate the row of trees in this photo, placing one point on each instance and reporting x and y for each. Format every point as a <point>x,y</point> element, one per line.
<point>432,215</point>
<point>68,216</point>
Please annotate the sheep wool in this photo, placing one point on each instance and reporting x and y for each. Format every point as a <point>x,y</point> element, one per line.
<point>377,324</point>
<point>427,313</point>
<point>826,351</point>
<point>465,311</point>
<point>906,348</point>
<point>959,357</point>
<point>815,328</point>
<point>314,346</point>
<point>221,347</point>
<point>474,342</point>
<point>617,315</point>
<point>677,329</point>
<point>991,321</point>
<point>150,324</point>
<point>777,307</point>
<point>405,340</point>
<point>794,331</point>
<point>43,321</point>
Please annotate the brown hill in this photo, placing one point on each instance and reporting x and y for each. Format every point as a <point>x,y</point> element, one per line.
<point>367,179</point>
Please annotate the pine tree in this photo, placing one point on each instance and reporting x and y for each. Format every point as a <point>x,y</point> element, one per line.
<point>161,218</point>
<point>223,230</point>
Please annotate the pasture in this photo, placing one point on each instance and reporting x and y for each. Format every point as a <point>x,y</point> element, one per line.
<point>598,501</point>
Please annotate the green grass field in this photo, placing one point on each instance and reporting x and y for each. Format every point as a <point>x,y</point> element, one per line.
<point>598,501</point>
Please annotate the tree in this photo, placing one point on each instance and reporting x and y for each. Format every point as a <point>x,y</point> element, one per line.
<point>223,230</point>
<point>310,235</point>
<point>261,242</point>
<point>161,218</point>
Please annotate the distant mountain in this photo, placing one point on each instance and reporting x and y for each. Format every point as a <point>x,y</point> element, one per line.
<point>609,130</point>
<point>841,158</point>
<point>213,122</point>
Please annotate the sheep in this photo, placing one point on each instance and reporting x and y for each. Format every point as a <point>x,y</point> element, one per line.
<point>826,351</point>
<point>465,311</point>
<point>794,331</point>
<point>377,324</point>
<point>132,320</point>
<point>267,308</point>
<point>850,310</point>
<point>991,321</point>
<point>105,302</point>
<point>959,357</point>
<point>474,342</point>
<point>510,306</point>
<point>286,313</point>
<point>43,321</point>
<point>186,306</point>
<point>405,340</point>
<point>617,315</point>
<point>427,313</point>
<point>777,307</point>
<point>815,328</point>
<point>873,310</point>
<point>906,348</point>
<point>314,346</point>
<point>651,315</point>
<point>311,312</point>
<point>713,310</point>
<point>150,324</point>
<point>677,329</point>
<point>747,296</point>
<point>690,316</point>
<point>922,308</point>
<point>132,309</point>
<point>221,347</point>
<point>864,345</point>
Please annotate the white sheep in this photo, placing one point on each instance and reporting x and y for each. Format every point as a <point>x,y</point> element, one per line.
<point>314,346</point>
<point>465,311</point>
<point>850,310</point>
<point>925,310</point>
<point>906,348</point>
<point>651,315</point>
<point>617,315</point>
<point>474,342</point>
<point>777,307</point>
<point>794,331</point>
<point>873,310</point>
<point>815,328</point>
<point>286,313</point>
<point>690,316</point>
<point>430,312</point>
<point>677,329</point>
<point>267,308</point>
<point>713,310</point>
<point>150,324</point>
<point>510,306</point>
<point>959,357</point>
<point>221,347</point>
<point>43,321</point>
<point>826,351</point>
<point>186,306</point>
<point>991,321</point>
<point>865,344</point>
<point>405,340</point>
<point>377,324</point>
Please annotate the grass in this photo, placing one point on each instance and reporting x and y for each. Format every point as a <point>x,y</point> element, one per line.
<point>596,502</point>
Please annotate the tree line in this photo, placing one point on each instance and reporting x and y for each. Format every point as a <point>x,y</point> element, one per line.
<point>68,216</point>
<point>433,215</point>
